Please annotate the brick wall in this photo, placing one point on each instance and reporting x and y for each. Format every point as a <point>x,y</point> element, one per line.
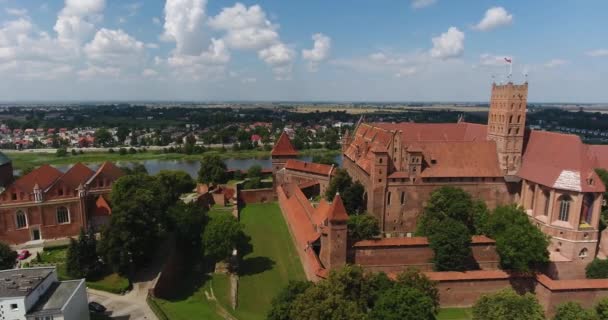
<point>257,196</point>
<point>552,293</point>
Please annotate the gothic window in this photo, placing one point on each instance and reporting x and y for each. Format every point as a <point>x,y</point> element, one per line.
<point>587,208</point>
<point>20,219</point>
<point>388,199</point>
<point>518,119</point>
<point>564,207</point>
<point>547,197</point>
<point>510,119</point>
<point>380,160</point>
<point>63,215</point>
<point>402,197</point>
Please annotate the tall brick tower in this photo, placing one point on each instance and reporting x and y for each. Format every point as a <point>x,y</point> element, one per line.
<point>507,123</point>
<point>282,151</point>
<point>334,236</point>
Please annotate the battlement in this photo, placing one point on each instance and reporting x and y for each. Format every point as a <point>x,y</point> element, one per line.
<point>510,88</point>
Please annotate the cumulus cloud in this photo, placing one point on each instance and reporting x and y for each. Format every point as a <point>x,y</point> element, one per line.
<point>279,57</point>
<point>319,52</point>
<point>417,4</point>
<point>16,12</point>
<point>495,17</point>
<point>247,28</point>
<point>448,45</point>
<point>76,21</point>
<point>598,53</point>
<point>184,25</point>
<point>217,53</point>
<point>397,65</point>
<point>114,47</point>
<point>149,73</point>
<point>555,63</point>
<point>93,71</point>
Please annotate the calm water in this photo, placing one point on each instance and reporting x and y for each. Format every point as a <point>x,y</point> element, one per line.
<point>191,167</point>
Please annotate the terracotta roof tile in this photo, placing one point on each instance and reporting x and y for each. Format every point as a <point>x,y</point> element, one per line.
<point>468,275</point>
<point>107,170</point>
<point>337,212</point>
<point>102,207</point>
<point>283,147</point>
<point>461,159</point>
<point>44,176</point>
<point>412,241</point>
<point>75,176</point>
<point>577,284</point>
<point>309,167</point>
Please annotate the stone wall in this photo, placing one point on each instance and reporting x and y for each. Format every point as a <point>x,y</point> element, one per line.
<point>552,293</point>
<point>256,196</point>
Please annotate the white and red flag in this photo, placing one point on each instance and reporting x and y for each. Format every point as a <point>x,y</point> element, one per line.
<point>508,60</point>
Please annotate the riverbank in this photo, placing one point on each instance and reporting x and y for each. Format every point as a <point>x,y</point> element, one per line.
<point>22,160</point>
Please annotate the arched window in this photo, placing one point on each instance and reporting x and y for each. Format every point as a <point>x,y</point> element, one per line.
<point>587,208</point>
<point>402,197</point>
<point>20,219</point>
<point>547,197</point>
<point>510,119</point>
<point>388,199</point>
<point>63,215</point>
<point>564,207</point>
<point>518,119</point>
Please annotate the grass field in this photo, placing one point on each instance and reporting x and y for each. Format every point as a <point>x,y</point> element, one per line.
<point>263,272</point>
<point>22,160</point>
<point>455,314</point>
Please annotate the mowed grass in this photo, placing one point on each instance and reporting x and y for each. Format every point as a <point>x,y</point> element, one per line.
<point>271,264</point>
<point>455,314</point>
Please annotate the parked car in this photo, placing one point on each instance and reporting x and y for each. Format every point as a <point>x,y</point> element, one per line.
<point>24,254</point>
<point>96,307</point>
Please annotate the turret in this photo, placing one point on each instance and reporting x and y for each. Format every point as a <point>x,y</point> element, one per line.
<point>334,235</point>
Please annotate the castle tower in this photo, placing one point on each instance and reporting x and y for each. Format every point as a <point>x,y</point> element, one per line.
<point>6,171</point>
<point>282,151</point>
<point>334,236</point>
<point>507,123</point>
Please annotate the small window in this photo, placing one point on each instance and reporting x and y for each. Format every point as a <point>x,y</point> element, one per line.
<point>388,199</point>
<point>564,208</point>
<point>14,196</point>
<point>21,219</point>
<point>583,253</point>
<point>380,160</point>
<point>402,197</point>
<point>60,191</point>
<point>63,215</point>
<point>14,307</point>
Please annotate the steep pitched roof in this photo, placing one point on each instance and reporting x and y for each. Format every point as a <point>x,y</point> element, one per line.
<point>107,170</point>
<point>599,155</point>
<point>337,212</point>
<point>102,207</point>
<point>283,147</point>
<point>310,167</point>
<point>78,174</point>
<point>43,176</point>
<point>559,161</point>
<point>461,159</point>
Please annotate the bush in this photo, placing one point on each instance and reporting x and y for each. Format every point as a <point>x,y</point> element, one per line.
<point>508,305</point>
<point>451,244</point>
<point>132,150</point>
<point>573,311</point>
<point>122,151</point>
<point>7,256</point>
<point>601,308</point>
<point>61,152</point>
<point>597,269</point>
<point>110,150</point>
<point>362,226</point>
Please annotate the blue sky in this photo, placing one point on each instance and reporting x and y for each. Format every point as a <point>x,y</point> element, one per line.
<point>356,50</point>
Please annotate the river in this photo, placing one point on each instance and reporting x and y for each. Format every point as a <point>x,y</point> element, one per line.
<point>191,167</point>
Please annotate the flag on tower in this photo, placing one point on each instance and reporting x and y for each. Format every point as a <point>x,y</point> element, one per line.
<point>508,60</point>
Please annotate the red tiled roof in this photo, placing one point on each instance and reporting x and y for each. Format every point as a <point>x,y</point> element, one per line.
<point>44,176</point>
<point>559,161</point>
<point>283,147</point>
<point>75,176</point>
<point>107,170</point>
<point>577,284</point>
<point>337,212</point>
<point>599,155</point>
<point>461,159</point>
<point>412,241</point>
<point>102,208</point>
<point>468,275</point>
<point>308,184</point>
<point>309,167</point>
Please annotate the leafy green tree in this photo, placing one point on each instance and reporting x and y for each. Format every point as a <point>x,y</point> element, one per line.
<point>597,269</point>
<point>415,279</point>
<point>601,309</point>
<point>353,198</point>
<point>134,229</point>
<point>255,171</point>
<point>573,311</point>
<point>190,144</point>
<point>281,304</point>
<point>321,303</point>
<point>61,152</point>
<point>338,183</point>
<point>449,202</point>
<point>173,183</point>
<point>103,137</point>
<point>8,256</point>
<point>325,159</point>
<point>122,133</point>
<point>362,226</point>
<point>222,235</point>
<point>508,305</point>
<point>81,258</point>
<point>452,246</point>
<point>122,151</point>
<point>522,246</point>
<point>72,264</point>
<point>188,222</point>
<point>403,303</point>
<point>213,170</point>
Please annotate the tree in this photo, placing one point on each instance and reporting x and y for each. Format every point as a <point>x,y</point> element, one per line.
<point>72,265</point>
<point>362,226</point>
<point>103,137</point>
<point>597,269</point>
<point>61,152</point>
<point>81,258</point>
<point>573,311</point>
<point>325,158</point>
<point>320,303</point>
<point>508,305</point>
<point>338,183</point>
<point>213,170</point>
<point>281,304</point>
<point>122,151</point>
<point>188,222</point>
<point>255,171</point>
<point>403,303</point>
<point>353,198</point>
<point>122,133</point>
<point>415,279</point>
<point>8,256</point>
<point>451,244</point>
<point>130,238</point>
<point>601,309</point>
<point>449,202</point>
<point>522,246</point>
<point>222,235</point>
<point>173,183</point>
<point>190,144</point>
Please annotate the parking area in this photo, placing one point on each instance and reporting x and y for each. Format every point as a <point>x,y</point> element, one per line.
<point>120,307</point>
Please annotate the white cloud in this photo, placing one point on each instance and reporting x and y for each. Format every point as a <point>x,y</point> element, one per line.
<point>397,65</point>
<point>247,28</point>
<point>93,71</point>
<point>279,57</point>
<point>598,53</point>
<point>76,21</point>
<point>417,4</point>
<point>495,17</point>
<point>448,45</point>
<point>156,21</point>
<point>16,11</point>
<point>405,72</point>
<point>184,25</point>
<point>149,73</point>
<point>555,63</point>
<point>493,60</point>
<point>319,51</point>
<point>114,47</point>
<point>249,80</point>
<point>152,45</point>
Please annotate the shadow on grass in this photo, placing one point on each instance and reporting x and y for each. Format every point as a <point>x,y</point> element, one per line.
<point>255,265</point>
<point>191,279</point>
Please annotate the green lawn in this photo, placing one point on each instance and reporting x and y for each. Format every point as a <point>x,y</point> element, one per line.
<point>455,314</point>
<point>273,262</point>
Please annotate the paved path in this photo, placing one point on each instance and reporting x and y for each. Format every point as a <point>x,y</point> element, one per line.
<point>129,306</point>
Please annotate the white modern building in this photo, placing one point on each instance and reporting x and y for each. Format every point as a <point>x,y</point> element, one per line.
<point>37,294</point>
